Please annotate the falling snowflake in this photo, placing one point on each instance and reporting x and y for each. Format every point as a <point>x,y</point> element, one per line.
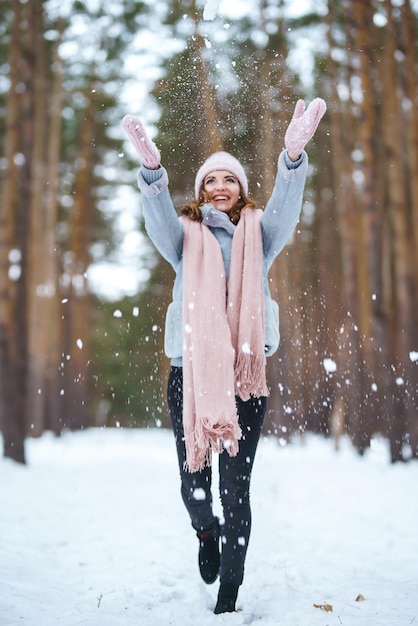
<point>211,9</point>
<point>329,365</point>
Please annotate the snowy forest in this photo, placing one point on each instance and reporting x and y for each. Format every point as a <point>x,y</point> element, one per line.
<point>77,353</point>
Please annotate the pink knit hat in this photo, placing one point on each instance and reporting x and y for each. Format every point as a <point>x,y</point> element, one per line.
<point>221,161</point>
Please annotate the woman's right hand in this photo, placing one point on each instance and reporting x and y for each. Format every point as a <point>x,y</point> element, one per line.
<point>145,147</point>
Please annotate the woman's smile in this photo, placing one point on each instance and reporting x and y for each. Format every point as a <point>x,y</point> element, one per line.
<point>222,189</point>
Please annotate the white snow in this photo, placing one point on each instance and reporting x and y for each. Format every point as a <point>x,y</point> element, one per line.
<point>93,532</point>
<point>329,366</point>
<point>413,355</point>
<point>210,9</point>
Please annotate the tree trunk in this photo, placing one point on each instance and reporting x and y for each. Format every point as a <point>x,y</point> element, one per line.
<point>394,150</point>
<point>12,419</point>
<point>76,348</point>
<point>37,288</point>
<point>52,325</point>
<point>349,378</point>
<point>409,45</point>
<point>277,99</point>
<point>207,100</point>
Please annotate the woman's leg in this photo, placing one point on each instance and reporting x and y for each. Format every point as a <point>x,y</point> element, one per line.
<point>235,476</point>
<point>195,486</point>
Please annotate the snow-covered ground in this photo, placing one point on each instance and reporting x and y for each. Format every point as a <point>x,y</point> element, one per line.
<point>93,531</point>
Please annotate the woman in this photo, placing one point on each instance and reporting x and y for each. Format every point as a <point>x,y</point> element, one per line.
<point>220,327</point>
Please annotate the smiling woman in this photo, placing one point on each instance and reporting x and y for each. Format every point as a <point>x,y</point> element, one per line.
<point>222,189</point>
<point>220,327</point>
<point>221,182</point>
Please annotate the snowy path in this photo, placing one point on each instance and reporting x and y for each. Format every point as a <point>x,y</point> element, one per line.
<point>93,532</point>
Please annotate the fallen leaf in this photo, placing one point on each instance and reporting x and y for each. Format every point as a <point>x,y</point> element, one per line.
<point>360,598</point>
<point>324,607</point>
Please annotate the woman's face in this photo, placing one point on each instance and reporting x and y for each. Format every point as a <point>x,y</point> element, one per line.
<point>222,189</point>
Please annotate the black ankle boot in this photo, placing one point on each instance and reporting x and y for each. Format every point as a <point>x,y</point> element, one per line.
<point>209,558</point>
<point>227,597</point>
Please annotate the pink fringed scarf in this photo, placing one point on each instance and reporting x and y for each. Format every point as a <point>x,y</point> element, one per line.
<point>223,335</point>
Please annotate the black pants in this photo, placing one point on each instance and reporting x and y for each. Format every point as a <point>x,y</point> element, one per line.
<point>234,479</point>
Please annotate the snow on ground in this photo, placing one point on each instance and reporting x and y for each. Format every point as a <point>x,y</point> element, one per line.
<point>93,532</point>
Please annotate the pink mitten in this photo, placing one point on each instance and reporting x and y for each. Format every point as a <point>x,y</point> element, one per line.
<point>147,150</point>
<point>303,125</point>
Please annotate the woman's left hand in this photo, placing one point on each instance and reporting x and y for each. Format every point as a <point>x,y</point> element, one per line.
<point>303,126</point>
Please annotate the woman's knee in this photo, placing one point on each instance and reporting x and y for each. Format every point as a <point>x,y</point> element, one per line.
<point>235,490</point>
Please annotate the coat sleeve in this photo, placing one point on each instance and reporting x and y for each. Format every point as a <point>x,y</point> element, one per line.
<point>283,209</point>
<point>161,220</point>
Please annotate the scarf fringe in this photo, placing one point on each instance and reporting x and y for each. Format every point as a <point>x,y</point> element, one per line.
<point>250,376</point>
<point>209,437</point>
